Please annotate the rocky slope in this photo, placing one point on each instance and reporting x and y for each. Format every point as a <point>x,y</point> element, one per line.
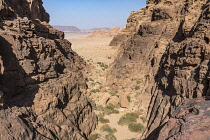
<point>42,83</point>
<point>168,51</point>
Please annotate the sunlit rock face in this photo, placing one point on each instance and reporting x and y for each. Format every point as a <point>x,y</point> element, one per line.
<point>167,47</point>
<point>42,84</point>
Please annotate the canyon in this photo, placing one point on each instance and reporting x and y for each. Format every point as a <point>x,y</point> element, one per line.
<point>155,69</point>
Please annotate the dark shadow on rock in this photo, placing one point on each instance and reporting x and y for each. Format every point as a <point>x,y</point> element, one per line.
<point>153,135</point>
<point>179,37</point>
<point>15,82</point>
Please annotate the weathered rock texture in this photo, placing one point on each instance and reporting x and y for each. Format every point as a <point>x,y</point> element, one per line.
<point>42,81</point>
<point>169,51</point>
<point>189,121</point>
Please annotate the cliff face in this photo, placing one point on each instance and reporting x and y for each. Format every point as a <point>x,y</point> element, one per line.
<point>131,28</point>
<point>42,83</point>
<point>169,52</point>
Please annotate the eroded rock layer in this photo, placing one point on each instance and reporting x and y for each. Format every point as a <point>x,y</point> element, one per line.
<point>42,81</point>
<point>169,52</point>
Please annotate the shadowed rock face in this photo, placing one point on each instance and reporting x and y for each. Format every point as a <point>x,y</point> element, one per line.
<point>42,84</point>
<point>169,51</point>
<point>32,9</point>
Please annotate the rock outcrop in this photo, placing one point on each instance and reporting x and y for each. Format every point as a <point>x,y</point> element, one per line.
<point>105,33</point>
<point>131,28</point>
<point>169,52</point>
<point>189,121</point>
<point>42,83</point>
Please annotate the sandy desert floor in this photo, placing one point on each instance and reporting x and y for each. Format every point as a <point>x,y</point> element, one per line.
<point>99,55</point>
<point>75,34</point>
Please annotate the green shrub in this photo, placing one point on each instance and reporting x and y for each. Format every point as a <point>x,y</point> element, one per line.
<point>109,109</point>
<point>141,110</point>
<point>99,108</point>
<point>137,88</point>
<point>129,98</point>
<point>110,137</point>
<point>108,129</point>
<point>94,136</point>
<point>147,75</point>
<point>93,84</point>
<point>95,90</point>
<point>138,81</point>
<point>128,118</point>
<point>113,93</point>
<point>136,127</point>
<point>102,65</point>
<point>144,119</point>
<point>90,79</point>
<point>98,83</point>
<point>100,115</point>
<point>103,120</point>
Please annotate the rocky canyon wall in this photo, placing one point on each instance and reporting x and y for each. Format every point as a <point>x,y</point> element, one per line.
<point>169,52</point>
<point>42,84</point>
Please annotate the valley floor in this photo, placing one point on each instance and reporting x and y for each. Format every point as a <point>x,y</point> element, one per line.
<point>99,56</point>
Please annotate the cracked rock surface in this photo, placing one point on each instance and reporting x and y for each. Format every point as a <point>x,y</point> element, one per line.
<point>42,81</point>
<point>166,47</point>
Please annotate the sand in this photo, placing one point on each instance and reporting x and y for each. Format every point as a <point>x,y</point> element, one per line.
<point>94,50</point>
<point>69,35</point>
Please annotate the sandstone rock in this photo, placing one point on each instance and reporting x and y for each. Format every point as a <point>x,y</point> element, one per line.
<point>105,97</point>
<point>133,22</point>
<point>189,121</point>
<point>124,103</point>
<point>167,46</point>
<point>105,33</point>
<point>113,100</point>
<point>41,77</point>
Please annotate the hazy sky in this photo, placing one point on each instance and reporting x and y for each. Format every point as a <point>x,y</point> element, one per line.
<point>86,14</point>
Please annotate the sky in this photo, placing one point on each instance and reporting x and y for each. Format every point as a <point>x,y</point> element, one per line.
<point>88,14</point>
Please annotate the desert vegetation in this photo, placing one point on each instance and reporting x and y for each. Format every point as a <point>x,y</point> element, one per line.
<point>112,109</point>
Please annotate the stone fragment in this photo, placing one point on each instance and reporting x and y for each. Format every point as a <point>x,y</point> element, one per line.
<point>124,103</point>
<point>113,100</point>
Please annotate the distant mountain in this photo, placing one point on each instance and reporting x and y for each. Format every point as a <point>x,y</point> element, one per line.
<point>67,28</point>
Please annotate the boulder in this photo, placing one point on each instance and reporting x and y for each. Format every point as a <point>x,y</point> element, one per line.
<point>124,103</point>
<point>113,100</point>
